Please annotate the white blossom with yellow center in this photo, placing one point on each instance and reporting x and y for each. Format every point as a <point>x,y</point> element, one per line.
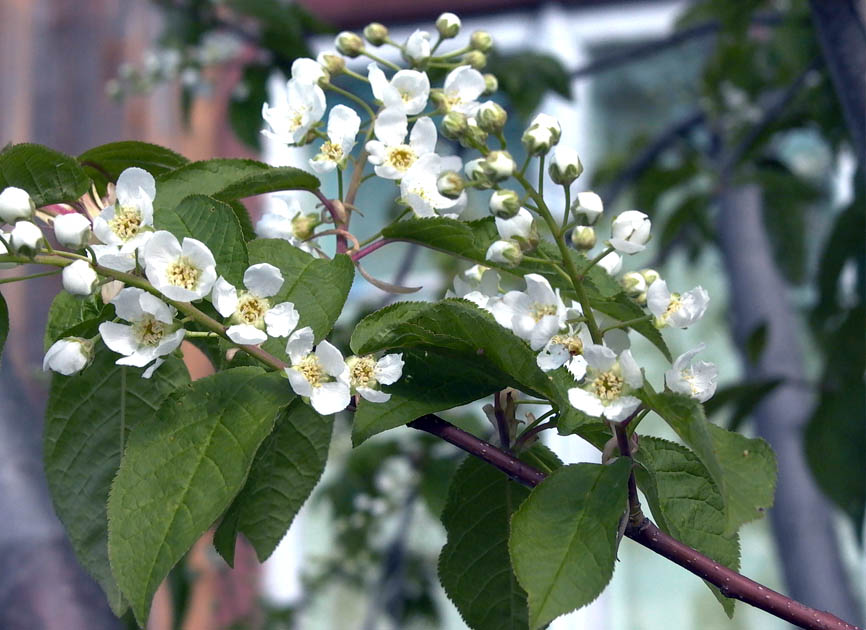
<point>419,188</point>
<point>697,380</point>
<point>607,386</point>
<point>463,86</point>
<point>250,311</point>
<point>566,348</point>
<point>343,125</point>
<point>536,314</point>
<point>390,155</point>
<point>289,122</point>
<point>673,309</point>
<point>183,272</point>
<point>125,226</point>
<point>151,334</point>
<point>408,90</point>
<point>322,376</point>
<point>366,373</point>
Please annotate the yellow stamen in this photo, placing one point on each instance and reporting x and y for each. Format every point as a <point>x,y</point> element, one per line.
<point>252,309</point>
<point>126,222</point>
<point>401,157</point>
<point>149,331</point>
<point>362,371</point>
<point>182,273</point>
<point>312,370</point>
<point>607,386</point>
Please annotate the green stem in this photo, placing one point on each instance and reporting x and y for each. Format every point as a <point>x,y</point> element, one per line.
<point>567,211</point>
<point>196,333</point>
<point>340,183</point>
<point>352,97</point>
<point>30,277</point>
<point>453,53</point>
<point>541,175</point>
<point>525,163</point>
<point>531,401</point>
<point>627,323</point>
<point>593,262</point>
<point>378,59</point>
<point>355,75</point>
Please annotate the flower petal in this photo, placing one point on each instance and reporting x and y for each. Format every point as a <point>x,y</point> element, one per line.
<point>300,344</point>
<point>583,401</point>
<point>224,297</point>
<point>130,181</point>
<point>263,280</point>
<point>374,395</point>
<point>331,359</point>
<point>118,337</point>
<point>330,397</point>
<point>389,368</point>
<point>391,126</point>
<point>246,334</point>
<point>300,385</point>
<point>281,319</point>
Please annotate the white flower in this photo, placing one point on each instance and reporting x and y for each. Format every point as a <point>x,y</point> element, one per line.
<point>68,356</point>
<point>565,165</point>
<point>543,133</point>
<point>79,278</point>
<point>480,285</point>
<point>26,238</point>
<point>520,227</point>
<point>504,253</point>
<point>611,263</point>
<point>538,313</point>
<point>180,272</point>
<point>697,380</point>
<point>152,334</point>
<point>114,257</point>
<point>566,348</point>
<point>72,230</point>
<point>286,220</point>
<point>390,155</point>
<point>630,232</point>
<point>589,205</point>
<point>462,88</point>
<point>251,311</point>
<point>15,204</point>
<point>307,71</point>
<point>343,125</point>
<point>128,223</point>
<point>365,373</point>
<point>289,122</point>
<point>608,383</point>
<point>673,309</point>
<point>448,25</point>
<point>420,190</point>
<point>408,90</point>
<point>323,376</point>
<point>417,47</point>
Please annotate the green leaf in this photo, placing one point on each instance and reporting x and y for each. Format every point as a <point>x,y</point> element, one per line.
<point>214,224</point>
<point>430,383</point>
<point>526,77</point>
<point>4,323</point>
<point>285,470</point>
<point>106,162</point>
<point>85,416</point>
<point>749,468</point>
<point>245,108</point>
<point>70,315</point>
<point>564,537</point>
<point>474,566</point>
<point>686,503</point>
<point>318,288</point>
<point>470,240</point>
<point>48,175</point>
<point>180,471</point>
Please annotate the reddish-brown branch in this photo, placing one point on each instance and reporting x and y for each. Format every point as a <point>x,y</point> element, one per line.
<point>729,582</point>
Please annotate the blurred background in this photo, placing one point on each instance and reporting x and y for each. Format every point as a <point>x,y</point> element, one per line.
<point>738,126</point>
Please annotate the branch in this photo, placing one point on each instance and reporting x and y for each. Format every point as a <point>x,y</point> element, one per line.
<point>729,582</point>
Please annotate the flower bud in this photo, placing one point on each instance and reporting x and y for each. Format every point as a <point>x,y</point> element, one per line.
<point>491,117</point>
<point>505,253</point>
<point>650,275</point>
<point>376,33</point>
<point>587,208</point>
<point>476,173</point>
<point>349,44</point>
<point>72,230</point>
<point>450,184</point>
<point>481,41</point>
<point>448,25</point>
<point>438,98</point>
<point>454,125</point>
<point>565,167</point>
<point>630,232</point>
<point>417,48</point>
<point>79,278</point>
<point>15,205</point>
<point>304,224</point>
<point>491,83</point>
<point>68,356</point>
<point>583,237</point>
<point>476,59</point>
<point>520,228</point>
<point>611,263</point>
<point>473,136</point>
<point>26,239</point>
<point>633,283</point>
<point>543,133</point>
<point>333,63</point>
<point>499,165</point>
<point>505,203</point>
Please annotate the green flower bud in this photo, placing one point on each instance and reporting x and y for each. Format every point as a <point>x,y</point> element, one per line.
<point>491,83</point>
<point>349,44</point>
<point>542,134</point>
<point>505,203</point>
<point>376,33</point>
<point>473,136</point>
<point>583,237</point>
<point>565,167</point>
<point>481,41</point>
<point>505,252</point>
<point>333,64</point>
<point>448,25</point>
<point>454,125</point>
<point>491,117</point>
<point>499,165</point>
<point>650,275</point>
<point>476,59</point>
<point>476,174</point>
<point>438,98</point>
<point>304,224</point>
<point>450,184</point>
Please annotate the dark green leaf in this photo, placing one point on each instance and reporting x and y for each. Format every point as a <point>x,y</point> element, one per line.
<point>564,537</point>
<point>48,175</point>
<point>84,419</point>
<point>686,503</point>
<point>526,77</point>
<point>74,316</point>
<point>245,108</point>
<point>214,224</point>
<point>181,470</point>
<point>474,566</point>
<point>285,470</point>
<point>757,341</point>
<point>106,162</point>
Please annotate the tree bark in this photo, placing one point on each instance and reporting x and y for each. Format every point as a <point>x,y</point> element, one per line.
<point>801,517</point>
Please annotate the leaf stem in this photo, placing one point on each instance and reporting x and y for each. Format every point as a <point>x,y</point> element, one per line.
<point>626,323</point>
<point>594,261</point>
<point>12,279</point>
<point>352,97</point>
